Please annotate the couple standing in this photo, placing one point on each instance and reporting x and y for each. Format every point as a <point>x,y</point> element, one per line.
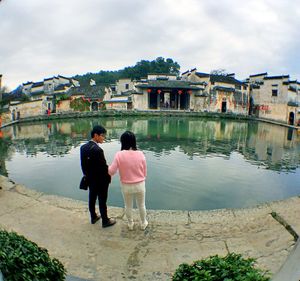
<point>131,164</point>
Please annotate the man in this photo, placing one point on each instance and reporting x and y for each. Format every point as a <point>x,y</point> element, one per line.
<point>94,167</point>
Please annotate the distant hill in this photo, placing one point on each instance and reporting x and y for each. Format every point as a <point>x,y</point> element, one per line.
<point>140,70</point>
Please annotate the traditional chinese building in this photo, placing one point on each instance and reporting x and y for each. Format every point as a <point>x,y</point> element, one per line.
<point>219,93</point>
<point>274,97</point>
<point>158,91</point>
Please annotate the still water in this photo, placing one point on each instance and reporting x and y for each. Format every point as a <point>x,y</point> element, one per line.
<point>193,163</point>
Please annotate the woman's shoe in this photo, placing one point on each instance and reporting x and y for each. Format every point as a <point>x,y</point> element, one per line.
<point>144,225</point>
<point>130,225</point>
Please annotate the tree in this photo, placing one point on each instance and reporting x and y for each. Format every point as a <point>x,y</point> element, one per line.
<point>140,70</point>
<point>220,71</point>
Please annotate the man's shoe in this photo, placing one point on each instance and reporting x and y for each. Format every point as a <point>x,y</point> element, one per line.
<point>95,219</point>
<point>110,222</point>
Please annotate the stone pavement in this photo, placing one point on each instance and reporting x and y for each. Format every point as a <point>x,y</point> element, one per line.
<point>90,252</point>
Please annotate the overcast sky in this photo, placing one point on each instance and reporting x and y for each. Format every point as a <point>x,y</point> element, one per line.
<point>40,39</point>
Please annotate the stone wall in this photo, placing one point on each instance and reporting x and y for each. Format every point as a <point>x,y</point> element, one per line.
<point>27,109</point>
<point>140,102</point>
<point>63,106</point>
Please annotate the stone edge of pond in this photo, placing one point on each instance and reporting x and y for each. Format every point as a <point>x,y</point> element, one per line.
<point>229,214</point>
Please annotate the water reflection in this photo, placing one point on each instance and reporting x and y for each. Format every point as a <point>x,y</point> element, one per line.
<point>181,148</point>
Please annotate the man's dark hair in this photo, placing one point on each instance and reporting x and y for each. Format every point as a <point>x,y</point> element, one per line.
<point>98,129</point>
<point>128,141</point>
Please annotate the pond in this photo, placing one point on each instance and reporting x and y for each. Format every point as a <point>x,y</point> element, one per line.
<point>193,163</point>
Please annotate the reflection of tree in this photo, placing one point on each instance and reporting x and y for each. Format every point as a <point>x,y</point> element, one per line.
<point>6,151</point>
<point>271,147</point>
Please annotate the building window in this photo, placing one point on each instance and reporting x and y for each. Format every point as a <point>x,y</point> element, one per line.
<point>126,86</point>
<point>274,93</point>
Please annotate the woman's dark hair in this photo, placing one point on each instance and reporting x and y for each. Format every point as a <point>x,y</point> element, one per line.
<point>128,141</point>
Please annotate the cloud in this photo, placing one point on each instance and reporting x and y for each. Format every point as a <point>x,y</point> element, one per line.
<point>43,39</point>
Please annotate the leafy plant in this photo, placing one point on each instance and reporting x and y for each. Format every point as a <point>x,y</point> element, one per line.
<point>80,104</point>
<point>61,98</point>
<point>23,260</point>
<point>230,268</point>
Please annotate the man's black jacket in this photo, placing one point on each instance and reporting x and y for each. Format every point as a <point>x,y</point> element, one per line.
<point>93,164</point>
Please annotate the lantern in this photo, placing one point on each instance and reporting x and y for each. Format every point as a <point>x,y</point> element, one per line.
<point>158,91</point>
<point>149,91</point>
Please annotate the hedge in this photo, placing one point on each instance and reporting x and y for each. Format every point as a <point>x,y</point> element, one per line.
<point>21,259</point>
<point>230,268</point>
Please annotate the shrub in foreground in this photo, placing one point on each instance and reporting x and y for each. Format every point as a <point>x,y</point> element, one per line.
<point>230,268</point>
<point>21,259</point>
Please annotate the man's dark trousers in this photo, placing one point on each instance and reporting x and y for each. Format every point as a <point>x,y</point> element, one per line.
<point>100,193</point>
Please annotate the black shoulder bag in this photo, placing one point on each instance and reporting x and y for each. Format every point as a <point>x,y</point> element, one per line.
<point>84,184</point>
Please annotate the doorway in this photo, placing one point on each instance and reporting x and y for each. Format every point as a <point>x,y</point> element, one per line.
<point>95,106</point>
<point>224,106</point>
<point>291,118</point>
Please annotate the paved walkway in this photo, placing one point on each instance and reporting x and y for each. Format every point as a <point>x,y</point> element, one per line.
<point>91,253</point>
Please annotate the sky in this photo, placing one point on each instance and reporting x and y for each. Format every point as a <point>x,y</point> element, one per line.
<point>41,39</point>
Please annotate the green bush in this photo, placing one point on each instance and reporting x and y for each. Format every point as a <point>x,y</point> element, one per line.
<point>21,259</point>
<point>230,268</point>
<point>80,104</point>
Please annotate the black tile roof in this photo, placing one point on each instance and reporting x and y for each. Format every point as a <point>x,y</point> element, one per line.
<point>164,74</point>
<point>225,89</point>
<point>37,84</point>
<point>59,87</point>
<point>202,74</point>
<point>27,83</point>
<point>88,91</point>
<point>259,74</point>
<point>228,79</point>
<point>62,86</point>
<point>64,77</point>
<point>170,84</point>
<point>276,77</point>
<point>224,79</point>
<point>37,93</point>
<point>292,89</point>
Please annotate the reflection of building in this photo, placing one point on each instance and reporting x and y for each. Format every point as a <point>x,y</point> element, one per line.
<point>273,146</point>
<point>275,97</point>
<point>260,143</point>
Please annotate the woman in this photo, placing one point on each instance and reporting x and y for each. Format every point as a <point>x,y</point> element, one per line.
<point>132,167</point>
